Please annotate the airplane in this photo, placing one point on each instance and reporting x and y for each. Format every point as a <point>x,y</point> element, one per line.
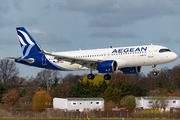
<point>128,60</point>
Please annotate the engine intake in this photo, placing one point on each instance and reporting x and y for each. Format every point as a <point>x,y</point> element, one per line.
<point>109,66</point>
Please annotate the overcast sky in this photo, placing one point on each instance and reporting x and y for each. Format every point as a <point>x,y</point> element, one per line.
<point>66,25</point>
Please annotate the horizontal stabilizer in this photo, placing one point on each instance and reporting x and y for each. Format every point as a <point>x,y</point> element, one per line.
<point>30,60</point>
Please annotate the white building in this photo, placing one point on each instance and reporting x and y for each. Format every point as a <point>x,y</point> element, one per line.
<point>78,104</point>
<point>144,102</point>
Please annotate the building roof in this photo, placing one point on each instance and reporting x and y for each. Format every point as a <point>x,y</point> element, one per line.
<point>168,98</point>
<point>85,99</point>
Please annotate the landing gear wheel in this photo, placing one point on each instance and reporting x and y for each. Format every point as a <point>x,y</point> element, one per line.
<point>107,77</point>
<point>155,73</point>
<point>90,76</point>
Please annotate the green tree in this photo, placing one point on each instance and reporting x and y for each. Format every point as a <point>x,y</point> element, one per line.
<point>112,93</point>
<point>131,89</point>
<point>96,81</point>
<point>160,84</point>
<point>3,90</point>
<point>128,102</point>
<point>55,82</point>
<point>87,89</point>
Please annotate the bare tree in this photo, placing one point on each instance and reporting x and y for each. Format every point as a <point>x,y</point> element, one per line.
<point>138,77</point>
<point>46,78</point>
<point>158,102</point>
<point>71,79</point>
<point>15,82</point>
<point>163,102</point>
<point>8,69</point>
<point>176,80</point>
<point>61,91</point>
<point>154,103</point>
<point>30,87</point>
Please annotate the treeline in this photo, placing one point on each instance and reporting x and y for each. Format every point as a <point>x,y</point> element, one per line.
<point>19,92</point>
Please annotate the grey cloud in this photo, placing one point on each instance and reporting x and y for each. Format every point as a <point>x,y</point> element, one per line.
<point>41,37</point>
<point>27,21</point>
<point>17,4</point>
<point>93,7</point>
<point>4,6</point>
<point>51,39</point>
<point>112,13</point>
<point>5,22</point>
<point>165,40</point>
<point>113,34</point>
<point>177,40</point>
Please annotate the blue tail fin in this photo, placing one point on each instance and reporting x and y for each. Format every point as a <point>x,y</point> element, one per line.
<point>28,44</point>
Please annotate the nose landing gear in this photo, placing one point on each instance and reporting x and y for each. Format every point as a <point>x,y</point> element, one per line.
<point>155,73</point>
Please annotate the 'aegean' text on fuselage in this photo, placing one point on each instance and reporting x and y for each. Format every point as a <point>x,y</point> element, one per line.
<point>125,50</point>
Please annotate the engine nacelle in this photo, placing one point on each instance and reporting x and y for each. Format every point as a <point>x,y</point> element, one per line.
<point>109,66</point>
<point>131,70</point>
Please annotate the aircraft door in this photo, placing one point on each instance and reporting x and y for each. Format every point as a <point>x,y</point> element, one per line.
<point>150,52</point>
<point>44,60</point>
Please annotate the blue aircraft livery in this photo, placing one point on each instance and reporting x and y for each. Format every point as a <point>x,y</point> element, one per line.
<point>125,50</point>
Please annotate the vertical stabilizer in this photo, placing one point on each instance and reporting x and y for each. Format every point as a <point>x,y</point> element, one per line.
<point>28,45</point>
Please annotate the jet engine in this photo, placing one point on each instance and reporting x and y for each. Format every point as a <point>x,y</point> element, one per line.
<point>131,70</point>
<point>108,66</point>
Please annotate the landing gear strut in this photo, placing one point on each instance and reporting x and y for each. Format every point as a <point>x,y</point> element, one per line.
<point>155,73</point>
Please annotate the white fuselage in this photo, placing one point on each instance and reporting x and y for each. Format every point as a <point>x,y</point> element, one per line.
<point>125,56</point>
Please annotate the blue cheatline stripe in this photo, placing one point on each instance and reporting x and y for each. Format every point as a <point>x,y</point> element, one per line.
<point>56,66</point>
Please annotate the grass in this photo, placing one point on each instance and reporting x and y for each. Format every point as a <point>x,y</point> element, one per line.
<point>66,119</point>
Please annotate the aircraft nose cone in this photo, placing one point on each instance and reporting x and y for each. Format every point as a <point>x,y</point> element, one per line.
<point>174,56</point>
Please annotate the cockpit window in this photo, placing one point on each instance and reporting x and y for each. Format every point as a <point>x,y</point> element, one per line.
<point>164,50</point>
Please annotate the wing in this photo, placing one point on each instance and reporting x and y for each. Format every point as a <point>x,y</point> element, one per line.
<point>81,61</point>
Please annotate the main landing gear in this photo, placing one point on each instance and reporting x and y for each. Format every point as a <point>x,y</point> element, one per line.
<point>106,76</point>
<point>92,76</point>
<point>155,73</point>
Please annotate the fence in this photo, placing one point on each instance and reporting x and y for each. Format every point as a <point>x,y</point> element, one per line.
<point>50,113</point>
